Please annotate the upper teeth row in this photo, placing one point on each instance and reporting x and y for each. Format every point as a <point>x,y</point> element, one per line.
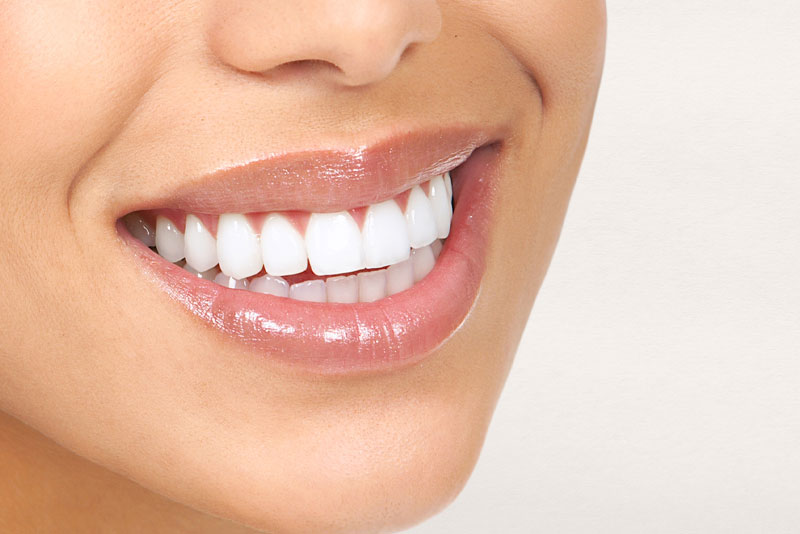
<point>333,242</point>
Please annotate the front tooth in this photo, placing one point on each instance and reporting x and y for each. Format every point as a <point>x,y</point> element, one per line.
<point>282,247</point>
<point>385,235</point>
<point>442,209</point>
<point>270,285</point>
<point>420,219</point>
<point>238,248</point>
<point>169,240</point>
<point>423,262</point>
<point>200,245</point>
<point>448,185</point>
<point>343,289</point>
<point>139,229</point>
<point>333,243</point>
<point>230,282</point>
<point>311,291</point>
<point>371,286</point>
<point>205,275</point>
<point>399,277</point>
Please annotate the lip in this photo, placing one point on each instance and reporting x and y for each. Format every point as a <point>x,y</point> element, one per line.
<point>326,180</point>
<point>330,338</point>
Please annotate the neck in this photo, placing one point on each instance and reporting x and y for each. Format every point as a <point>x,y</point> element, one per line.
<point>46,488</point>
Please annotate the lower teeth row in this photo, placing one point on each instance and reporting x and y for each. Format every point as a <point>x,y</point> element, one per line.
<point>367,286</point>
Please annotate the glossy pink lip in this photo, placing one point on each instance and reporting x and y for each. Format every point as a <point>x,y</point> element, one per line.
<point>350,338</point>
<point>327,180</point>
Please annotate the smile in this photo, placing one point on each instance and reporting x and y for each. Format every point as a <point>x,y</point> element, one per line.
<point>336,261</point>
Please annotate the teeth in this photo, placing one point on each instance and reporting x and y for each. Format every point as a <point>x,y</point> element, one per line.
<point>371,286</point>
<point>436,247</point>
<point>399,277</point>
<point>230,282</point>
<point>420,219</point>
<point>270,285</point>
<point>333,243</point>
<point>401,247</point>
<point>200,246</point>
<point>282,246</point>
<point>169,240</point>
<point>311,291</point>
<point>343,289</point>
<point>442,209</point>
<point>205,275</point>
<point>422,259</point>
<point>139,229</point>
<point>385,235</point>
<point>237,247</point>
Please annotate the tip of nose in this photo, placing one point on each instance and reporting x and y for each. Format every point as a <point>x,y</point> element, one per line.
<point>350,48</point>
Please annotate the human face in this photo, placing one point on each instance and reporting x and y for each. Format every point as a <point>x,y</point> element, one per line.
<point>284,415</point>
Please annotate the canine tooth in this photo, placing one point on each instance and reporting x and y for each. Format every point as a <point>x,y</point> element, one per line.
<point>270,285</point>
<point>385,235</point>
<point>442,209</point>
<point>169,240</point>
<point>448,186</point>
<point>230,282</point>
<point>420,219</point>
<point>371,286</point>
<point>238,248</point>
<point>310,291</point>
<point>139,229</point>
<point>200,246</point>
<point>423,261</point>
<point>342,289</point>
<point>333,243</point>
<point>436,247</point>
<point>399,277</point>
<point>282,247</point>
<point>210,274</point>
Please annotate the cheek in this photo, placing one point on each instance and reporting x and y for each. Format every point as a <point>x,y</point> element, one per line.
<point>69,75</point>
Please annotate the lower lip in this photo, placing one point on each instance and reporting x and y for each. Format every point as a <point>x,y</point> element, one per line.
<point>350,338</point>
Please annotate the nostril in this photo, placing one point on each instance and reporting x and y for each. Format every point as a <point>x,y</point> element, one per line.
<point>303,67</point>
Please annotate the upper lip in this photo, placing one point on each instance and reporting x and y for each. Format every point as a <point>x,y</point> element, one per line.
<point>326,180</point>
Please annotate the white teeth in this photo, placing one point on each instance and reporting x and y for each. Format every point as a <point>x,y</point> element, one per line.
<point>282,246</point>
<point>169,240</point>
<point>333,243</point>
<point>406,243</point>
<point>200,245</point>
<point>139,229</point>
<point>423,261</point>
<point>436,247</point>
<point>230,282</point>
<point>371,286</point>
<point>311,291</point>
<point>399,277</point>
<point>420,219</point>
<point>343,289</point>
<point>205,275</point>
<point>442,209</point>
<point>385,235</point>
<point>270,285</point>
<point>237,246</point>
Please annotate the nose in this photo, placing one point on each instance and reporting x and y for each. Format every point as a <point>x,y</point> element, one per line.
<point>363,40</point>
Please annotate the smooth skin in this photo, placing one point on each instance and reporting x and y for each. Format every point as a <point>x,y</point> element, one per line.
<point>120,412</point>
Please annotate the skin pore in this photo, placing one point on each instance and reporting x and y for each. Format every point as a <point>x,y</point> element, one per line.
<point>119,411</point>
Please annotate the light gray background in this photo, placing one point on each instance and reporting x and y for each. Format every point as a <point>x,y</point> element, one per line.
<point>657,387</point>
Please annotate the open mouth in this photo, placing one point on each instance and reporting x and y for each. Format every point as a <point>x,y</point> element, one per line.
<point>360,255</point>
<point>365,287</point>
